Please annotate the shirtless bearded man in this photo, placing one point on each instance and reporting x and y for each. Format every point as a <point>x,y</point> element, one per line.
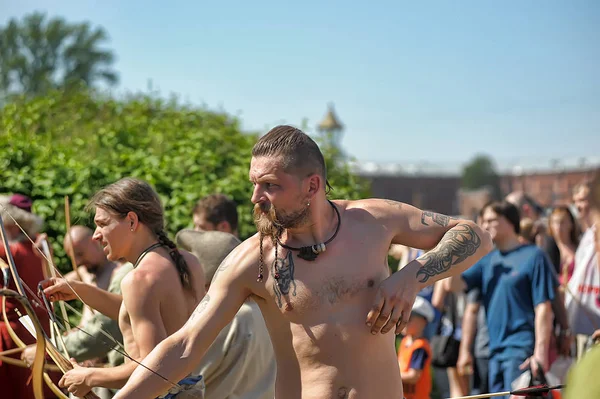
<point>331,318</point>
<point>158,295</point>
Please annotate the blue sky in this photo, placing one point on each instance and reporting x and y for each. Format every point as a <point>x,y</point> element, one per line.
<point>435,81</point>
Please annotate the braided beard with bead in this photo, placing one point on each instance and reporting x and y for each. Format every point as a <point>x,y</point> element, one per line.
<point>261,262</point>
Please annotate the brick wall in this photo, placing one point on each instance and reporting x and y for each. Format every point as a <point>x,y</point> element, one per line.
<point>548,189</point>
<point>442,193</point>
<point>438,194</point>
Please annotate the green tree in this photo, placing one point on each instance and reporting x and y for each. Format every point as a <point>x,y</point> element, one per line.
<point>481,172</point>
<point>74,142</point>
<point>37,54</point>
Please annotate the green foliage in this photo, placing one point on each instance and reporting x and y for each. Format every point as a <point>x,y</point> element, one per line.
<point>38,54</point>
<point>73,143</point>
<point>481,172</point>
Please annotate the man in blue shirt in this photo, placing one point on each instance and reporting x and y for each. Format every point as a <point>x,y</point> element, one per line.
<point>517,284</point>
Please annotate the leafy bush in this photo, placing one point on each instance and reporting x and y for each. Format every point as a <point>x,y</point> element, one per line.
<point>73,143</point>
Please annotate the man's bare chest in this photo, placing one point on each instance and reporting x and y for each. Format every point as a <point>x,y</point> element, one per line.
<point>342,277</point>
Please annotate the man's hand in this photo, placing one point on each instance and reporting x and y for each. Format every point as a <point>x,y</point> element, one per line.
<point>28,355</point>
<point>77,381</point>
<point>596,337</point>
<point>464,364</point>
<point>57,289</point>
<point>534,363</point>
<point>393,301</point>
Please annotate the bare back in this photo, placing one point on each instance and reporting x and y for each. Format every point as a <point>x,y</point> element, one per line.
<point>316,312</point>
<point>155,304</point>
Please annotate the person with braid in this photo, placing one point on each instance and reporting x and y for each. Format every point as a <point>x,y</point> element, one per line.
<point>158,295</point>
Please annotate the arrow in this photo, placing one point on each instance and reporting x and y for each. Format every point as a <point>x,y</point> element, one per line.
<point>536,390</point>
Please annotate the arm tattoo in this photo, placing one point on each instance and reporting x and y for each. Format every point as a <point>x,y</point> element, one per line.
<point>393,203</point>
<point>224,265</point>
<point>437,218</point>
<point>457,245</point>
<point>200,308</point>
<point>282,272</point>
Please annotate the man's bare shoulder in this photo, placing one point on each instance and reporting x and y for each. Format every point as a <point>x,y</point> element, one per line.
<point>140,281</point>
<point>156,268</point>
<point>372,207</point>
<point>243,258</point>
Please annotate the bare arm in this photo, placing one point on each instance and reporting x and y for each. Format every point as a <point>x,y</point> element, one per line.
<point>142,294</point>
<point>111,377</point>
<point>543,329</point>
<point>469,326</point>
<point>103,301</point>
<point>457,245</point>
<point>460,248</point>
<point>438,298</point>
<point>179,354</point>
<point>565,337</point>
<point>464,363</point>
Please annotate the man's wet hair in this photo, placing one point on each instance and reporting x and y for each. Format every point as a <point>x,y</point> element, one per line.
<point>299,153</point>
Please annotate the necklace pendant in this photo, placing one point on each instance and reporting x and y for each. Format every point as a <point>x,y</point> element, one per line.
<point>307,254</point>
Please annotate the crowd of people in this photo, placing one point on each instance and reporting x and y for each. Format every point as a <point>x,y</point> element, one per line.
<point>526,313</point>
<point>307,307</point>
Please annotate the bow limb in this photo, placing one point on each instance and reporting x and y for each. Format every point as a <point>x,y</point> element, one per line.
<point>21,363</point>
<point>50,272</point>
<point>60,360</point>
<point>71,252</point>
<point>40,346</point>
<point>40,354</point>
<point>13,335</point>
<point>68,233</point>
<point>43,343</point>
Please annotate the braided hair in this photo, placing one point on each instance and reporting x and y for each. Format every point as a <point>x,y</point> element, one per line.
<point>180,263</point>
<point>134,195</point>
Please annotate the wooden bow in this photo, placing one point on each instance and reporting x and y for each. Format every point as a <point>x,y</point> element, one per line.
<point>68,234</point>
<point>40,346</point>
<point>60,360</point>
<point>4,357</point>
<point>43,345</point>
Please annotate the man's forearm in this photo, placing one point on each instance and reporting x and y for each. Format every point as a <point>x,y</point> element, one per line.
<point>169,362</point>
<point>103,301</point>
<point>543,329</point>
<point>112,377</point>
<point>460,248</point>
<point>469,327</point>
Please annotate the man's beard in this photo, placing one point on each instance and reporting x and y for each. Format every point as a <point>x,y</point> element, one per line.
<point>270,221</point>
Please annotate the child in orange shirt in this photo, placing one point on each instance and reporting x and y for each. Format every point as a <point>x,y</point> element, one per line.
<point>414,355</point>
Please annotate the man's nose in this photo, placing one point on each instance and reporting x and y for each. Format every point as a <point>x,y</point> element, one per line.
<point>257,195</point>
<point>96,236</point>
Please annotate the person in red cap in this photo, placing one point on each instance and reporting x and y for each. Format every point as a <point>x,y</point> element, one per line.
<point>15,209</point>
